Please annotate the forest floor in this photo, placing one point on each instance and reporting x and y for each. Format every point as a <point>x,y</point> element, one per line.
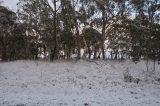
<point>78,83</point>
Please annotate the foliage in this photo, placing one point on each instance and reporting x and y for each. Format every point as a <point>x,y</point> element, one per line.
<point>61,28</point>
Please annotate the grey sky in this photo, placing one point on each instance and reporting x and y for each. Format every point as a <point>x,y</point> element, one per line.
<point>11,4</point>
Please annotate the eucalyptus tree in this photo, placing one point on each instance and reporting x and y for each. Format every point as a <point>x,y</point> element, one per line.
<point>7,22</point>
<point>70,19</point>
<point>41,18</point>
<point>29,14</point>
<point>93,40</point>
<point>119,42</point>
<point>144,29</point>
<point>153,11</point>
<point>66,12</point>
<point>75,3</point>
<point>105,9</point>
<point>119,39</point>
<point>19,44</point>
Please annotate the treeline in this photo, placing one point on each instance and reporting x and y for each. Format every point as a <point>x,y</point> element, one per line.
<point>88,29</point>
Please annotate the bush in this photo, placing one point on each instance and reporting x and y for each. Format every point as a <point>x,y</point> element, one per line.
<point>129,78</point>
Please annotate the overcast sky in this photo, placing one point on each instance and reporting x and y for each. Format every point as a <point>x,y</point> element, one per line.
<point>11,4</point>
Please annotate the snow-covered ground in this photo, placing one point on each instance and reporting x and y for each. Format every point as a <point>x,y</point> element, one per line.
<point>81,83</point>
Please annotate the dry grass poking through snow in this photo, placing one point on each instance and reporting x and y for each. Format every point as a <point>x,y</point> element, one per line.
<point>82,83</point>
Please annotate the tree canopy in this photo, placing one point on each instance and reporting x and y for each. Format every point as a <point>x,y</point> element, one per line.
<point>98,29</point>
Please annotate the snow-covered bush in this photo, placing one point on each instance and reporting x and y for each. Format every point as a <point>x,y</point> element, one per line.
<point>129,78</point>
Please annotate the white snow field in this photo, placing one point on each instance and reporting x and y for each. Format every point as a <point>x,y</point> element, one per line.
<point>77,83</point>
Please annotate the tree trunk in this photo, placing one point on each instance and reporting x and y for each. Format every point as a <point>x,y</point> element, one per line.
<point>55,32</point>
<point>78,41</point>
<point>154,65</point>
<point>147,64</point>
<point>77,33</point>
<point>89,53</point>
<point>67,24</point>
<point>4,52</point>
<point>68,53</point>
<point>103,33</point>
<point>95,53</point>
<point>51,56</point>
<point>111,55</point>
<point>116,54</point>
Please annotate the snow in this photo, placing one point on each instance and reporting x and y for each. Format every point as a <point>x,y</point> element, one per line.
<point>77,83</point>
